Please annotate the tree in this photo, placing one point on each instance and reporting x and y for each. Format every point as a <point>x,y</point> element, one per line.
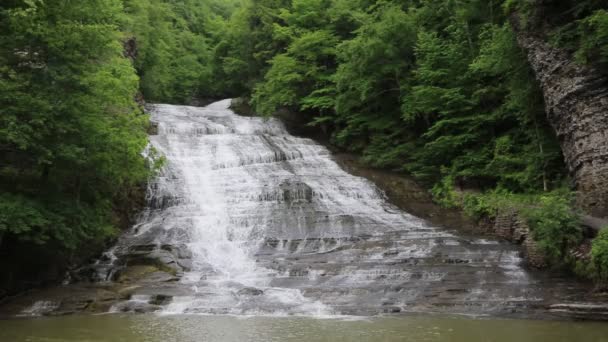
<point>70,132</point>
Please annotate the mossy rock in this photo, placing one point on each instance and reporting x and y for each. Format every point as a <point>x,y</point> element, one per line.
<point>135,273</point>
<point>157,264</point>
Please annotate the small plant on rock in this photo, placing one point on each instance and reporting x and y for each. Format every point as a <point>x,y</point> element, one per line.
<point>599,256</point>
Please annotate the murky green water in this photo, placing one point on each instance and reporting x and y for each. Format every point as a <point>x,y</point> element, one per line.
<point>152,328</point>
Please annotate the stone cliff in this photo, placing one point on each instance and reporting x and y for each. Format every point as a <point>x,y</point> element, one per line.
<point>576,101</point>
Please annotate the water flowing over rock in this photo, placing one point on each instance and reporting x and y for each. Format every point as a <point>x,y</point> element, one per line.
<point>247,219</point>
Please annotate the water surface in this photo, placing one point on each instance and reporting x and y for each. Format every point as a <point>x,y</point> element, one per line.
<point>190,328</point>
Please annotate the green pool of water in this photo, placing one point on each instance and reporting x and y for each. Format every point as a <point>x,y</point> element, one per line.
<point>154,328</point>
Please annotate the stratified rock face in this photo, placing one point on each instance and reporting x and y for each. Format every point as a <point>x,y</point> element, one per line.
<point>576,100</point>
<point>511,226</point>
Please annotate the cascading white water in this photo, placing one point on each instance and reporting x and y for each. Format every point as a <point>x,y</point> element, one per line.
<point>247,219</point>
<point>210,152</point>
<point>262,222</point>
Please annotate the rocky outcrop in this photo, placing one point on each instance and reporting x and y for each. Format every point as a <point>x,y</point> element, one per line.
<point>511,226</point>
<point>130,51</point>
<point>580,311</point>
<point>576,101</point>
<point>130,48</point>
<point>593,223</point>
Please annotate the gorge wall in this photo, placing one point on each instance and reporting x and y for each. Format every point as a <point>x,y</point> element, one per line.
<point>576,100</point>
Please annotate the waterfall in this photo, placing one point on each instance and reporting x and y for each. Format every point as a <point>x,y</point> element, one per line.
<point>258,221</point>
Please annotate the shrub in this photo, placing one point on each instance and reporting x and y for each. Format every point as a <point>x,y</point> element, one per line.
<point>488,205</point>
<point>444,194</point>
<point>593,32</point>
<point>554,225</point>
<point>599,255</point>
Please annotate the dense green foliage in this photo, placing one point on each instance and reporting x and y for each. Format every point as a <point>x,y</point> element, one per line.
<point>580,26</point>
<point>554,225</point>
<point>175,42</point>
<point>437,88</point>
<point>599,255</point>
<point>593,46</point>
<point>70,132</point>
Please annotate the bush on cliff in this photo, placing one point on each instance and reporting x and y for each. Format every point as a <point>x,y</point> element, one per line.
<point>593,46</point>
<point>555,225</point>
<point>553,221</point>
<point>599,256</point>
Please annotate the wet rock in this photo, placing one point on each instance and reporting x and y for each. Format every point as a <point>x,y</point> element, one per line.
<point>181,251</point>
<point>587,311</point>
<point>138,307</point>
<point>125,292</point>
<point>241,106</point>
<point>130,48</point>
<point>161,299</point>
<point>100,307</point>
<point>511,226</point>
<point>296,191</point>
<point>142,249</point>
<point>159,277</point>
<point>250,291</point>
<point>391,310</point>
<point>63,300</point>
<point>40,308</point>
<point>84,274</point>
<point>166,290</point>
<point>132,274</point>
<point>95,300</point>
<point>534,254</point>
<point>173,259</point>
<point>390,253</point>
<point>153,128</point>
<point>405,193</point>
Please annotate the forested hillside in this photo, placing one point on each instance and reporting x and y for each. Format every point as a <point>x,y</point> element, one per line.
<point>72,134</point>
<point>437,89</point>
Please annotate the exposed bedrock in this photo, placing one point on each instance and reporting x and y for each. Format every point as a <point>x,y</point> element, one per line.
<point>576,101</point>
